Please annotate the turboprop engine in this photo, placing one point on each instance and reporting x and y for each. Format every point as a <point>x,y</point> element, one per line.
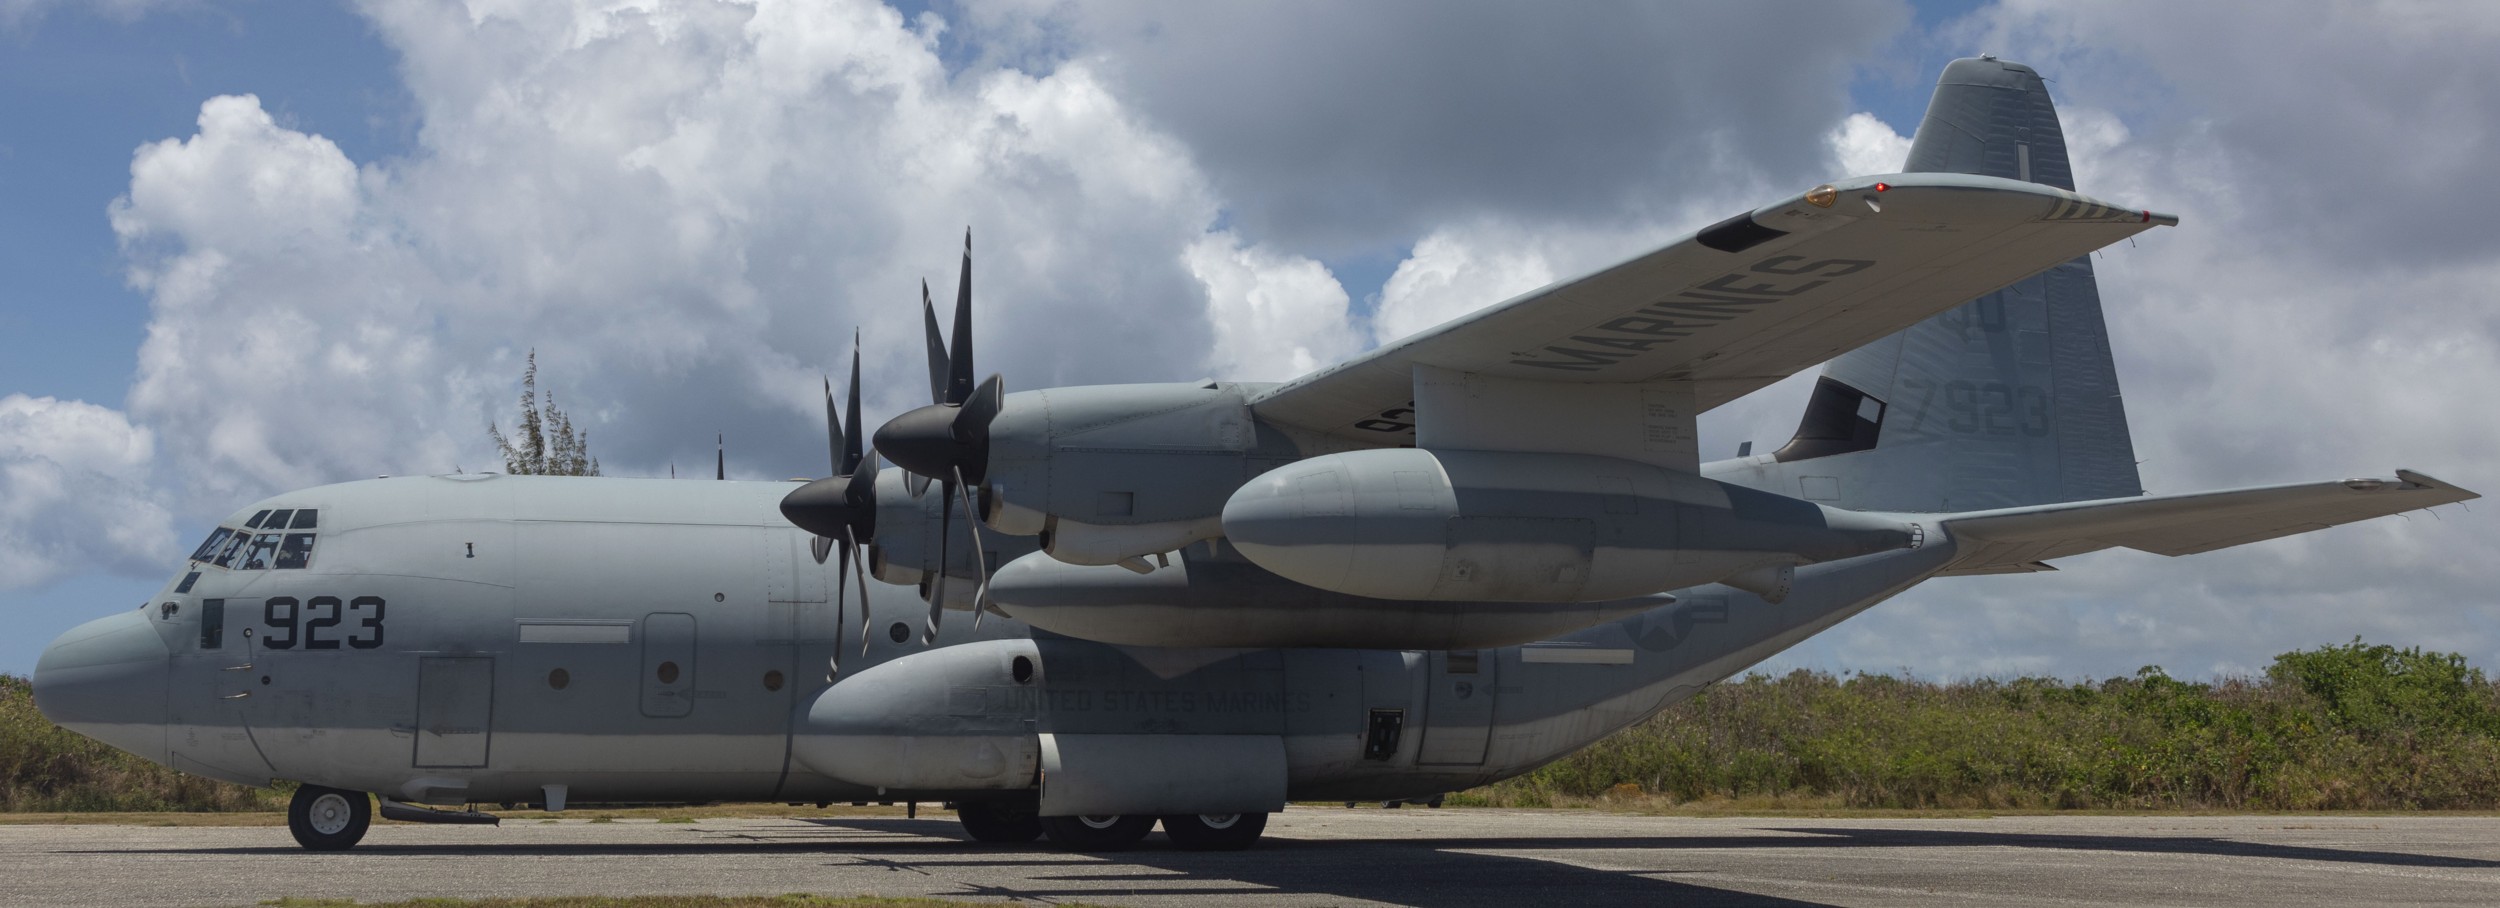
<point>1408,523</point>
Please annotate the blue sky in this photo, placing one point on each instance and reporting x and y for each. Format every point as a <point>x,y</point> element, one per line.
<point>82,91</point>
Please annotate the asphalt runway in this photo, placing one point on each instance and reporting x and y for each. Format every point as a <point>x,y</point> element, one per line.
<point>1320,856</point>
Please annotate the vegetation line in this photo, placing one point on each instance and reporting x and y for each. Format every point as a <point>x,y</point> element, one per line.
<point>2351,727</point>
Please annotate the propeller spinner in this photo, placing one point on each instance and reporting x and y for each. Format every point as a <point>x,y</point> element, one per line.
<point>948,440</point>
<point>842,511</point>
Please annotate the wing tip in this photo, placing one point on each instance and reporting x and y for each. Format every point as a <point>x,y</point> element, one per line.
<point>2413,480</point>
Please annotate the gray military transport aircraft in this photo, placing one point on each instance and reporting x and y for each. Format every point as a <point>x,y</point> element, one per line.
<point>1442,563</point>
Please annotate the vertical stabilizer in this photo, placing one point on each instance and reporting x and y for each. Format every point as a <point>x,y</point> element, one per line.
<point>2010,399</point>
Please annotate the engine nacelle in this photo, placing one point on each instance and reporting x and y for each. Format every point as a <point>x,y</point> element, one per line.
<point>1407,523</point>
<point>906,724</point>
<point>906,548</point>
<point>1085,543</point>
<point>1208,596</point>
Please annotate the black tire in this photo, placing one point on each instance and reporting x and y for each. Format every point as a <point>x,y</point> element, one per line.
<point>1215,832</point>
<point>328,819</point>
<point>1009,822</point>
<point>1104,833</point>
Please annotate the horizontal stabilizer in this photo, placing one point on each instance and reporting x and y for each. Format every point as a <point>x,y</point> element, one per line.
<point>2016,540</point>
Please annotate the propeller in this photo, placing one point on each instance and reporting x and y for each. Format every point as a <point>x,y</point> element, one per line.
<point>842,511</point>
<point>949,440</point>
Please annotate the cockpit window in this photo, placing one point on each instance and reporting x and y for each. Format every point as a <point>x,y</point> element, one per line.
<point>233,547</point>
<point>264,550</point>
<point>296,553</point>
<point>216,540</point>
<point>244,550</point>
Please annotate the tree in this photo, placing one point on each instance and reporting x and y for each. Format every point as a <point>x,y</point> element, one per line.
<point>546,444</point>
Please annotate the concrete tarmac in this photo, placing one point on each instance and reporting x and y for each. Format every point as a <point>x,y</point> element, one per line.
<point>1315,856</point>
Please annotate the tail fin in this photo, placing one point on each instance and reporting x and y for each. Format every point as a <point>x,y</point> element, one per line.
<point>2008,400</point>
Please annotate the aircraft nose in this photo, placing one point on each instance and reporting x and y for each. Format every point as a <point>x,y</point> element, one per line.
<point>106,679</point>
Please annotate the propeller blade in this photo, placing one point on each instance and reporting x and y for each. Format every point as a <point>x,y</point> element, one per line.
<point>851,453</point>
<point>820,546</point>
<point>959,374</point>
<point>916,484</point>
<point>833,432</point>
<point>937,347</point>
<point>859,491</point>
<point>980,558</point>
<point>859,568</point>
<point>937,585</point>
<point>841,585</point>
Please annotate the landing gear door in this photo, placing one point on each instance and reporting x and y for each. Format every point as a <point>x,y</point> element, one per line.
<point>455,710</point>
<point>1458,709</point>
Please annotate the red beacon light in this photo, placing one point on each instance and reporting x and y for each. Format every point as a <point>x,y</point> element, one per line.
<point>1879,187</point>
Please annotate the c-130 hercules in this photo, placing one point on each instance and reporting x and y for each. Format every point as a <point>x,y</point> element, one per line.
<point>1445,562</point>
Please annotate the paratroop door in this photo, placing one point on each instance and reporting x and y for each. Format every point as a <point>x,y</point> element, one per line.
<point>455,710</point>
<point>667,665</point>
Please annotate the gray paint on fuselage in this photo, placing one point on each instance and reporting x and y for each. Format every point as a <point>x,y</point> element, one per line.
<point>593,550</point>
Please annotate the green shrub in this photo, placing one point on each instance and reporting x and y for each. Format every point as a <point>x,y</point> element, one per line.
<point>2341,727</point>
<point>44,767</point>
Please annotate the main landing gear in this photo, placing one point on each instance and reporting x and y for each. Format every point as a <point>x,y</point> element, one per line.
<point>328,819</point>
<point>1006,822</point>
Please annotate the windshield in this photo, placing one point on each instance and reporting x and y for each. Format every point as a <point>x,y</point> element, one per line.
<point>208,550</point>
<point>245,550</point>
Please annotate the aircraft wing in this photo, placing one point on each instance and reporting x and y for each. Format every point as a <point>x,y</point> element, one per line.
<point>1738,305</point>
<point>2018,540</point>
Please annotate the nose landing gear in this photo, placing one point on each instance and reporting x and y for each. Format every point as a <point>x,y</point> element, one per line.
<point>328,819</point>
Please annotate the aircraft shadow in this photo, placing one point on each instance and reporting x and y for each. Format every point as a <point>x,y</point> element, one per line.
<point>1424,872</point>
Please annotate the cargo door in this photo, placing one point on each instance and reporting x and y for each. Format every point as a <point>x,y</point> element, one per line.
<point>455,710</point>
<point>667,665</point>
<point>1458,709</point>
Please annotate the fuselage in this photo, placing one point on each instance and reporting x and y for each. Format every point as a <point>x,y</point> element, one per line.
<point>498,639</point>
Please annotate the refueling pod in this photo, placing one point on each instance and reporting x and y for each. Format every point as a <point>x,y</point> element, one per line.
<point>1408,523</point>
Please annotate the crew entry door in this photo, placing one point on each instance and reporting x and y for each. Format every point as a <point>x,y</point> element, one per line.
<point>455,710</point>
<point>1458,709</point>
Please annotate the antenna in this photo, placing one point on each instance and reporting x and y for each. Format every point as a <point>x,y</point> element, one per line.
<point>720,462</point>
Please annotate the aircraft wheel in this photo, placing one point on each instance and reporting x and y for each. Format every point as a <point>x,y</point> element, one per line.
<point>1008,822</point>
<point>1215,831</point>
<point>328,819</point>
<point>1098,833</point>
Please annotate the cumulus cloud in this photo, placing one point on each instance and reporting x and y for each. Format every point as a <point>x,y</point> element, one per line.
<point>1334,127</point>
<point>1863,144</point>
<point>74,492</point>
<point>1276,317</point>
<point>684,208</point>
